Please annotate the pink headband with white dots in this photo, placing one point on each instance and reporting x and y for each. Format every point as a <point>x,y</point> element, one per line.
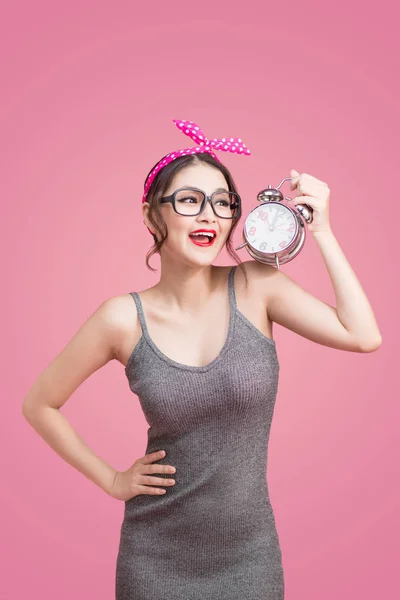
<point>203,145</point>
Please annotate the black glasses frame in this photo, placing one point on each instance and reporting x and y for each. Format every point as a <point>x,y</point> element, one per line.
<point>171,199</point>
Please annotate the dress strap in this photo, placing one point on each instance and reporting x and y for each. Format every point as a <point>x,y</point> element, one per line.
<point>140,312</point>
<point>231,285</point>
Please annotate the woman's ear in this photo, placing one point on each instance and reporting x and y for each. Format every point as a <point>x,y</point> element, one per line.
<point>145,210</point>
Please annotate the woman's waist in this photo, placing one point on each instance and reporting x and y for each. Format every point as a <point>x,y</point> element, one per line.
<point>221,495</point>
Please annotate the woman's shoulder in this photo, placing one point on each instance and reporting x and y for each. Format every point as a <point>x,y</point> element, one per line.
<point>254,277</point>
<point>123,318</point>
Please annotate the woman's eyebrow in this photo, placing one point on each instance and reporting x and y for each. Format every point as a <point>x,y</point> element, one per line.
<point>221,189</point>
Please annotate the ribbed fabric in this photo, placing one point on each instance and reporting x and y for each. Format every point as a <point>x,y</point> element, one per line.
<point>211,536</point>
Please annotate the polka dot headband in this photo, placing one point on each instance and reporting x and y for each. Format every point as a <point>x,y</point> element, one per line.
<point>203,145</point>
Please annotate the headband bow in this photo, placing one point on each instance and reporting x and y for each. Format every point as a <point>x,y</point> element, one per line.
<point>203,145</point>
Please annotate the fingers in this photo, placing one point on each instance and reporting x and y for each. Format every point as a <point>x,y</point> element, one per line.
<point>149,458</point>
<point>150,480</point>
<point>158,469</point>
<point>147,481</point>
<point>300,178</point>
<point>144,468</point>
<point>144,489</point>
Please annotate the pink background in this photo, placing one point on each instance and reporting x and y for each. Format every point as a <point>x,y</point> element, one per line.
<point>89,91</point>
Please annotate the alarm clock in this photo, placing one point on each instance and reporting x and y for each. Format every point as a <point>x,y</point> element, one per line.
<point>274,232</point>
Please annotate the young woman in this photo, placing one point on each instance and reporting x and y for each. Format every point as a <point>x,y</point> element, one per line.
<point>198,352</point>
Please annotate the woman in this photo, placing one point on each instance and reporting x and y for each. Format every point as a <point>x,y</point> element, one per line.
<point>198,352</point>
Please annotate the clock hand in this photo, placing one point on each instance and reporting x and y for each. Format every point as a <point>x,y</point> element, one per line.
<point>275,220</point>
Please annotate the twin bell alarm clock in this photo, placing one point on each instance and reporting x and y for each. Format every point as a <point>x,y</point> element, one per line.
<point>274,232</point>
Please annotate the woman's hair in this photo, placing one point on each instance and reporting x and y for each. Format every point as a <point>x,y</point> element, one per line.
<point>161,183</point>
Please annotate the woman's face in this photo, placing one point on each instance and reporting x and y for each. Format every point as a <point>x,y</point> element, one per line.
<point>178,244</point>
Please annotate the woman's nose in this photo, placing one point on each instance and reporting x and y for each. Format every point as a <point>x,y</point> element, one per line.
<point>208,210</point>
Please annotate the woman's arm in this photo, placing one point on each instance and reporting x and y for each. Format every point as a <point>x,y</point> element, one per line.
<point>91,347</point>
<point>350,326</point>
<point>56,430</point>
<point>352,306</point>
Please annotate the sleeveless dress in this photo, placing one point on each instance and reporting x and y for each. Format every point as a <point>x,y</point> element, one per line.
<point>212,535</point>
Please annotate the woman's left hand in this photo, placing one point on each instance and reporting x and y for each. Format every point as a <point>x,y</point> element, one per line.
<point>316,194</point>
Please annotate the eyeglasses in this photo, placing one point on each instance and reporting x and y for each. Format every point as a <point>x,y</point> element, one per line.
<point>190,202</point>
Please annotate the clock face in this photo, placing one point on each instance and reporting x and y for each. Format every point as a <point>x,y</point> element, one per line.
<point>270,227</point>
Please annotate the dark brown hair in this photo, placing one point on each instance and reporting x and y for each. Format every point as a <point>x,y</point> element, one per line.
<point>161,183</point>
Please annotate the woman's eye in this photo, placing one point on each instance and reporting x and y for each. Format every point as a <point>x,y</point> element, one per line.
<point>187,198</point>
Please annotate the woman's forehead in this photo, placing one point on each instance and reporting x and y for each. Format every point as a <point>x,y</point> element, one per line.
<point>201,176</point>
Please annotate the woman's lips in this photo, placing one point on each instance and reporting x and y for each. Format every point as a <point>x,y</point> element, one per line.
<point>199,243</point>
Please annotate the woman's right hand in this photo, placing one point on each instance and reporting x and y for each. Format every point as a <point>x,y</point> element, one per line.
<point>137,479</point>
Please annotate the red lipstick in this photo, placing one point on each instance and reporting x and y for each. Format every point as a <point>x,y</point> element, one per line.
<point>199,240</point>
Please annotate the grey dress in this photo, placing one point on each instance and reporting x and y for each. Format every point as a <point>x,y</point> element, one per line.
<point>211,536</point>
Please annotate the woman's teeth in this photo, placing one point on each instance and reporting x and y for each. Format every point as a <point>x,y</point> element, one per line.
<point>202,238</point>
<point>202,235</point>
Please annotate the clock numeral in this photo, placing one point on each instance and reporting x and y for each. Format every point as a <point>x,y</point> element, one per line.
<point>262,214</point>
<point>290,228</point>
<point>252,230</point>
<point>282,244</point>
<point>263,246</point>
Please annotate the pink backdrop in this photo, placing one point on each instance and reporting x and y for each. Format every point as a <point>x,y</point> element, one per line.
<point>89,91</point>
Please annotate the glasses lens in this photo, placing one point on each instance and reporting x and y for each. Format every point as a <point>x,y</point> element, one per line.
<point>188,202</point>
<point>226,204</point>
